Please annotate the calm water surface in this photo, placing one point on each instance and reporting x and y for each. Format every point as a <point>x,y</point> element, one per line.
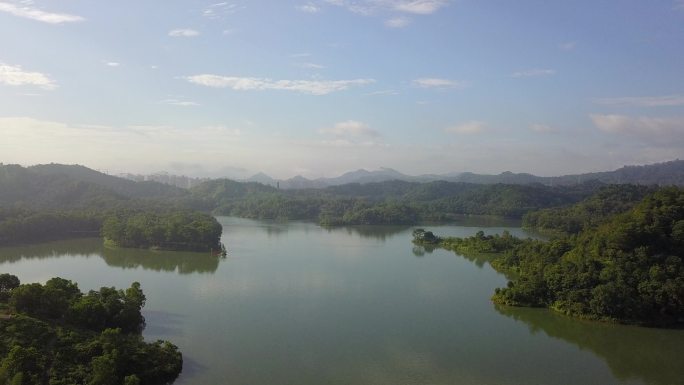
<point>298,304</point>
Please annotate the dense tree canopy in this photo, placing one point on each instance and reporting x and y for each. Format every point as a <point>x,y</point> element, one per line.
<point>175,230</point>
<point>58,335</point>
<point>624,266</point>
<point>392,202</point>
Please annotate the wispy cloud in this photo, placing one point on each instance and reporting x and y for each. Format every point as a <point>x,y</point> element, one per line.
<point>14,75</point>
<point>220,10</point>
<point>30,140</point>
<point>568,45</point>
<point>309,8</point>
<point>437,83</point>
<point>398,22</point>
<point>643,101</point>
<point>471,127</point>
<point>178,102</point>
<point>313,87</point>
<point>364,7</point>
<point>383,92</point>
<point>533,73</point>
<point>30,12</point>
<point>369,7</point>
<point>350,133</point>
<point>183,32</point>
<point>421,7</point>
<point>662,131</point>
<point>311,66</point>
<point>112,64</point>
<point>350,128</point>
<point>538,127</point>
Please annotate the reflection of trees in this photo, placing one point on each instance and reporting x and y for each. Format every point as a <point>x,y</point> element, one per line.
<point>651,355</point>
<point>421,250</point>
<point>379,232</point>
<point>86,246</point>
<point>182,262</point>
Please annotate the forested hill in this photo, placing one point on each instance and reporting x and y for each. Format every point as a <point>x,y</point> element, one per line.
<point>57,186</point>
<point>623,262</point>
<point>664,174</point>
<point>56,201</point>
<point>147,189</point>
<point>391,202</point>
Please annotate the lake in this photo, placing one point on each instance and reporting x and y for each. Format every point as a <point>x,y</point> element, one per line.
<point>294,303</point>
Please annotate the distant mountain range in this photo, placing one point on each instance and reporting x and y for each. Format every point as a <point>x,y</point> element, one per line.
<point>667,173</point>
<point>58,185</point>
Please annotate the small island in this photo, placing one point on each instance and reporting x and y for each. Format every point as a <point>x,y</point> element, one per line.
<point>623,266</point>
<point>174,230</point>
<point>55,334</point>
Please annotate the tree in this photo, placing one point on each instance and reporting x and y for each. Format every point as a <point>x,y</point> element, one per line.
<point>8,282</point>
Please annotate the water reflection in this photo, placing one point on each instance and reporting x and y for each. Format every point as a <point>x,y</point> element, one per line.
<point>649,355</point>
<point>478,259</point>
<point>86,247</point>
<point>378,232</point>
<point>169,261</point>
<point>181,262</point>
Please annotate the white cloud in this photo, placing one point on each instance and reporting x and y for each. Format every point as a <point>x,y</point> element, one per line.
<point>471,127</point>
<point>309,8</point>
<point>16,76</point>
<point>568,45</point>
<point>220,10</point>
<point>383,92</point>
<point>313,87</point>
<point>397,22</point>
<point>661,131</point>
<point>369,7</point>
<point>365,7</point>
<point>644,101</point>
<point>178,102</point>
<point>535,72</point>
<point>350,128</point>
<point>437,83</point>
<point>311,66</point>
<point>347,134</point>
<point>29,12</point>
<point>538,127</point>
<point>183,32</point>
<point>112,64</point>
<point>421,7</point>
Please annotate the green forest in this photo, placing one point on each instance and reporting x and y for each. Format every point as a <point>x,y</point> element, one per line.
<point>55,334</point>
<point>175,230</point>
<point>617,260</point>
<point>391,202</point>
<point>51,202</point>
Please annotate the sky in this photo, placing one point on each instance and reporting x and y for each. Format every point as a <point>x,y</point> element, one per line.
<point>321,87</point>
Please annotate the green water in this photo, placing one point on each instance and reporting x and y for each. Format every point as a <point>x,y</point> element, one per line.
<point>298,304</point>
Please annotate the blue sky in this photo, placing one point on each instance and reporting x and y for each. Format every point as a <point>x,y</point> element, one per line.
<point>321,87</point>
